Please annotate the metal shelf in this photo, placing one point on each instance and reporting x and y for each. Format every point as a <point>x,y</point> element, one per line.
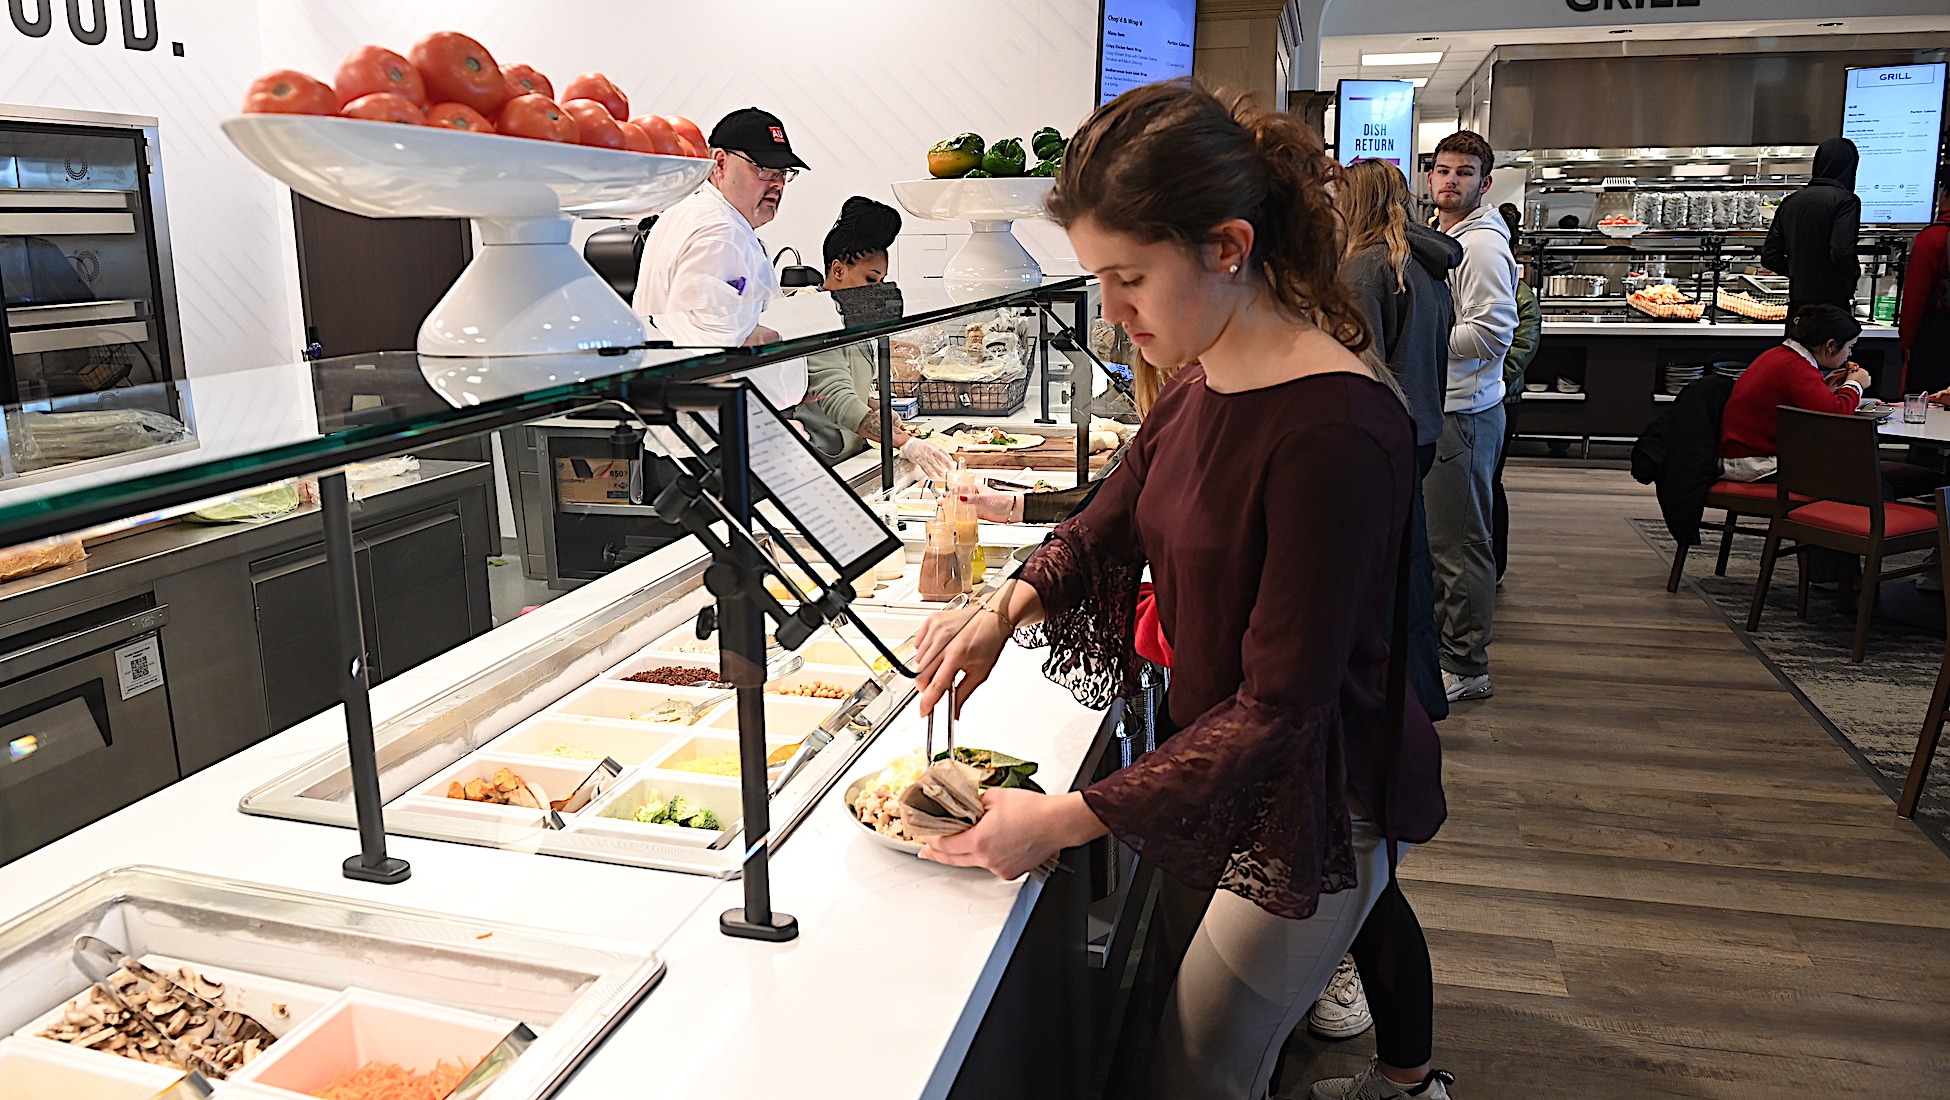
<point>52,223</point>
<point>61,199</point>
<point>1551,395</point>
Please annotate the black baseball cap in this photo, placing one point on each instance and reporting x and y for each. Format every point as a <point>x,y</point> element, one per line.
<point>757,134</point>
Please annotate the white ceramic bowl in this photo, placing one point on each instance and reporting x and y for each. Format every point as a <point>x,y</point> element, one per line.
<point>526,292</point>
<point>975,200</point>
<point>993,261</point>
<point>386,170</point>
<point>1621,231</point>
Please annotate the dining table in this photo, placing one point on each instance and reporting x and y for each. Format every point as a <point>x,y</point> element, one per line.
<point>1933,432</point>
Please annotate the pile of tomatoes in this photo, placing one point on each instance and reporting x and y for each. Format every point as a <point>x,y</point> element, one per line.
<point>450,80</point>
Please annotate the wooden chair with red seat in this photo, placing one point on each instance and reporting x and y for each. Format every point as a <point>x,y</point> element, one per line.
<point>1932,731</point>
<point>1740,500</point>
<point>1831,458</point>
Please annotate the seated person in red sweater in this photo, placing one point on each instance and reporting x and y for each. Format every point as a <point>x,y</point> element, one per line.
<point>1810,370</point>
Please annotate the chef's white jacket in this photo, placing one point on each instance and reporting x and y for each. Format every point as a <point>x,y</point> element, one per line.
<point>704,281</point>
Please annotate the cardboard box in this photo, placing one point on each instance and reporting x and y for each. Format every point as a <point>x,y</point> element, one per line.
<point>592,480</point>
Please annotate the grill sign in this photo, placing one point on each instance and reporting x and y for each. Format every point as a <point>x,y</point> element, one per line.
<point>1628,5</point>
<point>88,21</point>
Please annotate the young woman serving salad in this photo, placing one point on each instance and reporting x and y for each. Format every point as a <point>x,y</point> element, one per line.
<point>1267,492</point>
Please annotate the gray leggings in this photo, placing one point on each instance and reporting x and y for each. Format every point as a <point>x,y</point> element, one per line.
<point>1247,981</point>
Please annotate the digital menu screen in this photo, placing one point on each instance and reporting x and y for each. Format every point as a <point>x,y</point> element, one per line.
<point>1894,114</point>
<point>1375,120</point>
<point>1143,41</point>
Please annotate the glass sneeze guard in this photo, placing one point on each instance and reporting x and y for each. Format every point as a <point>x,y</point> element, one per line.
<point>270,423</point>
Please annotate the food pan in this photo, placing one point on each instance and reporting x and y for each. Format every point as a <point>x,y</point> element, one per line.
<point>570,991</point>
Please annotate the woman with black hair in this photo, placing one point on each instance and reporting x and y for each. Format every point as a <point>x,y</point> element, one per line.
<point>840,383</point>
<point>1810,370</point>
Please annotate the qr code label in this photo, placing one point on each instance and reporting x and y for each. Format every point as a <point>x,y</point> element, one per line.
<point>139,667</point>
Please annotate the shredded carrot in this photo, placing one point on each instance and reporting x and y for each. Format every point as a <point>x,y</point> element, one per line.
<point>484,935</point>
<point>386,1081</point>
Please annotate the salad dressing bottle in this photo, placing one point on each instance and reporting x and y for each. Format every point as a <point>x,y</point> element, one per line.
<point>968,528</point>
<point>942,576</point>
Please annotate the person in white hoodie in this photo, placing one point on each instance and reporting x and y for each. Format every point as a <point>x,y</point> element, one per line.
<point>1458,487</point>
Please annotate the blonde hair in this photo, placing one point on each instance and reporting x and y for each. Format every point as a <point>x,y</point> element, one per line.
<point>1372,196</point>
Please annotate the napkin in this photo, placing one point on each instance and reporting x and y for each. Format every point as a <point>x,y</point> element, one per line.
<point>946,800</point>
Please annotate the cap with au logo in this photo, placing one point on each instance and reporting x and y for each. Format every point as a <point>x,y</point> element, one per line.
<point>757,134</point>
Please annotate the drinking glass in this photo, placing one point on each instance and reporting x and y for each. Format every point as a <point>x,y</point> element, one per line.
<point>1916,408</point>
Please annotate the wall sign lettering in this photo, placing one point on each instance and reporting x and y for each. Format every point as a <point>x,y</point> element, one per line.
<point>1628,5</point>
<point>88,21</point>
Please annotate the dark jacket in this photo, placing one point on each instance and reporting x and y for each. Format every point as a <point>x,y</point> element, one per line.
<point>1523,348</point>
<point>1812,240</point>
<point>1680,455</point>
<point>1411,326</point>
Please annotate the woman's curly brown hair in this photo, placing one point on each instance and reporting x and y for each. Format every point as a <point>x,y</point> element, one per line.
<point>1170,161</point>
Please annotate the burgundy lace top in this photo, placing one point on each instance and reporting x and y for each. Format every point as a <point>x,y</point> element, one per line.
<point>1272,523</point>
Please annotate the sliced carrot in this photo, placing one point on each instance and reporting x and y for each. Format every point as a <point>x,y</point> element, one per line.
<point>387,1081</point>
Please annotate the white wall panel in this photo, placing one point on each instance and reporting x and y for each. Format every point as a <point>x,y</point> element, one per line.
<point>864,86</point>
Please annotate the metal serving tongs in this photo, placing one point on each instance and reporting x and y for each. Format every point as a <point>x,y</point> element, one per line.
<point>494,1065</point>
<point>191,1086</point>
<point>98,961</point>
<point>949,699</point>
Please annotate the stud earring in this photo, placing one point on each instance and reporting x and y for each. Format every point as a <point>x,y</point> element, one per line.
<point>1234,270</point>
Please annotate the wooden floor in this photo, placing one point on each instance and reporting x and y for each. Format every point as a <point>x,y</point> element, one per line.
<point>1660,877</point>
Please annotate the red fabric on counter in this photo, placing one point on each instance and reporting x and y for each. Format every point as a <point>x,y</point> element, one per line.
<point>1779,376</point>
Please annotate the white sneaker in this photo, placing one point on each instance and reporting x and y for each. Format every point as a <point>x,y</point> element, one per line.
<point>1463,688</point>
<point>1342,1010</point>
<point>1371,1085</point>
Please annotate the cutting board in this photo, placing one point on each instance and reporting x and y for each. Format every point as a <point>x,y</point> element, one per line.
<point>1057,452</point>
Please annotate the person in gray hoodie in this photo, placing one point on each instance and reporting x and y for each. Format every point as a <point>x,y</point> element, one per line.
<point>1458,487</point>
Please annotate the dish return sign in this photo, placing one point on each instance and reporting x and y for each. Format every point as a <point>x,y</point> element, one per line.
<point>1375,120</point>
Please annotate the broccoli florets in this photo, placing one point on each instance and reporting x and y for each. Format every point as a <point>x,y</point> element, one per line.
<point>705,819</point>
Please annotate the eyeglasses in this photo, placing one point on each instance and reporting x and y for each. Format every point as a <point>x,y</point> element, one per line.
<point>767,175</point>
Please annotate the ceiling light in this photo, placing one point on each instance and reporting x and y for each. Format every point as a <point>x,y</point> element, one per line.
<point>1401,60</point>
<point>1419,82</point>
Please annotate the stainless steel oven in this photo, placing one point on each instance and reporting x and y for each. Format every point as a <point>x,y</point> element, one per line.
<point>90,343</point>
<point>85,726</point>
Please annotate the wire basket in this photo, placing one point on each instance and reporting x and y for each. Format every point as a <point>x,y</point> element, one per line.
<point>971,398</point>
<point>999,397</point>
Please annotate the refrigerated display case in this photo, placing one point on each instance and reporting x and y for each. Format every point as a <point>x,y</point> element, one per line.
<point>90,341</point>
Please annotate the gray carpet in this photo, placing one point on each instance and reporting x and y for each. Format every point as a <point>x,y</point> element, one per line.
<point>1875,708</point>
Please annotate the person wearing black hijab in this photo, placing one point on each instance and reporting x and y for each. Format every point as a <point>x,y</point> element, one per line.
<point>1812,240</point>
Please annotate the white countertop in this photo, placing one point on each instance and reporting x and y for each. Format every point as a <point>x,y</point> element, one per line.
<point>1766,330</point>
<point>877,928</point>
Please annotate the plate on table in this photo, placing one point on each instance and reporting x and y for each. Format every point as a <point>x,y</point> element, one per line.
<point>1875,412</point>
<point>973,441</point>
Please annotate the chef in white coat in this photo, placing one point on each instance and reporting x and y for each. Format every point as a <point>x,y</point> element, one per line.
<point>705,277</point>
